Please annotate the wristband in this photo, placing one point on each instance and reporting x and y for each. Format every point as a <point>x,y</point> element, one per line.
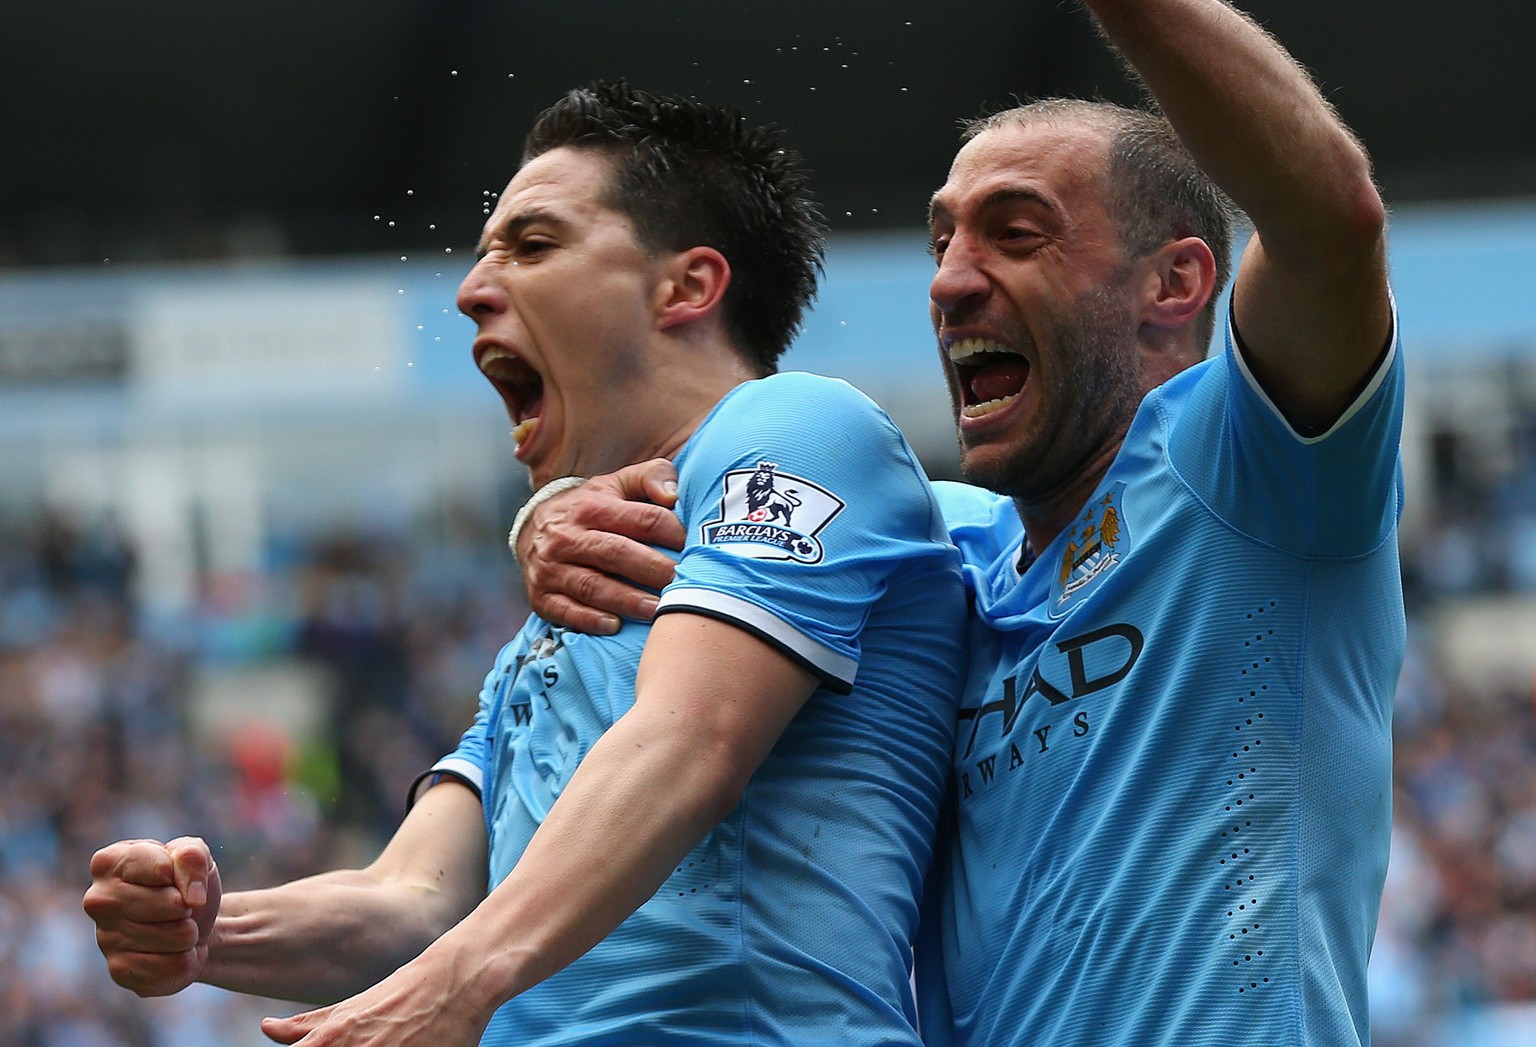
<point>543,494</point>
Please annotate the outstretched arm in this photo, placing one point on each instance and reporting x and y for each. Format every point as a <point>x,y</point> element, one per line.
<point>711,700</point>
<point>1311,296</point>
<point>585,553</point>
<point>163,922</point>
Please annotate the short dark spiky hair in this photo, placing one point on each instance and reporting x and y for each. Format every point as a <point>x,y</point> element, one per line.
<point>1157,191</point>
<point>688,175</point>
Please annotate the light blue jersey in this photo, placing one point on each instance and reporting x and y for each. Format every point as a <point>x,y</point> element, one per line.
<point>1172,773</point>
<point>811,525</point>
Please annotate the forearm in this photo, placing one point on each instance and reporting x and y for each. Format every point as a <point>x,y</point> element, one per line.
<point>322,938</point>
<point>1251,116</point>
<point>643,796</point>
<point>596,858</point>
<point>329,936</point>
<point>1310,297</point>
<point>627,817</point>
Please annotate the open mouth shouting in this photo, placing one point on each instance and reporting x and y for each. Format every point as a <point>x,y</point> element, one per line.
<point>521,388</point>
<point>989,374</point>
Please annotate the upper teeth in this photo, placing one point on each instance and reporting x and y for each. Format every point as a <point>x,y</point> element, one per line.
<point>969,347</point>
<point>505,367</point>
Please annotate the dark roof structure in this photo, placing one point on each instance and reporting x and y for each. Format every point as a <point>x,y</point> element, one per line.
<point>167,129</point>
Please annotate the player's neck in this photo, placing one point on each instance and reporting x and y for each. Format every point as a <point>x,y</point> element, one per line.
<point>1046,514</point>
<point>684,400</point>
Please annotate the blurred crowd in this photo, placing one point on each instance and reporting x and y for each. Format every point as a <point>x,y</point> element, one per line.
<point>1455,957</point>
<point>100,740</point>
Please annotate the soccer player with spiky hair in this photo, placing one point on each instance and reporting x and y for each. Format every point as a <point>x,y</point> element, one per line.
<point>709,830</point>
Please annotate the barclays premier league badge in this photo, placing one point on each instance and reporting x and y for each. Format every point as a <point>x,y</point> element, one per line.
<point>769,515</point>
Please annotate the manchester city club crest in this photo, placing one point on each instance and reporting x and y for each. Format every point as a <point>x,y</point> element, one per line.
<point>769,515</point>
<point>1095,544</point>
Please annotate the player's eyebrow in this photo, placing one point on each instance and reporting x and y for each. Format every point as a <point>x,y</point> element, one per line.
<point>510,227</point>
<point>1000,197</point>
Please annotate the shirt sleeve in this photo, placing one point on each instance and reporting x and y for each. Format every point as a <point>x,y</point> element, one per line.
<point>1335,494</point>
<point>468,762</point>
<point>801,500</point>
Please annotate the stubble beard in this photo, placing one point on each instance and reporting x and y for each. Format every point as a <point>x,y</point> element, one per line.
<point>1087,407</point>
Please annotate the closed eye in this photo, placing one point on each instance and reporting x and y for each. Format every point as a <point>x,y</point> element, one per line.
<point>1016,235</point>
<point>532,246</point>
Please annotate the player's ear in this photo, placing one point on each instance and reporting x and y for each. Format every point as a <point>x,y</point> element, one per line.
<point>692,286</point>
<point>1181,278</point>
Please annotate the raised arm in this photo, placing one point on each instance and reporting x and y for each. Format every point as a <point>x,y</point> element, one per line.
<point>711,700</point>
<point>1311,297</point>
<point>162,923</point>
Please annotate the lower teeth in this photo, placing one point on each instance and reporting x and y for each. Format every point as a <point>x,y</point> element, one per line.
<point>982,409</point>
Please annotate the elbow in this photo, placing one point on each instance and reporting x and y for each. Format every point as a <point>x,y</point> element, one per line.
<point>1359,222</point>
<point>1366,218</point>
<point>1337,229</point>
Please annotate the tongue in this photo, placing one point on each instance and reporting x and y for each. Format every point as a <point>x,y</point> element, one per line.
<point>529,410</point>
<point>999,380</point>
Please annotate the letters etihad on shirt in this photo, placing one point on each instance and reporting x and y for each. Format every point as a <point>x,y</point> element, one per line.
<point>1111,666</point>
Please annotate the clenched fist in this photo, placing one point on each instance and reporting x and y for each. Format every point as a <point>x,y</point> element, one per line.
<point>154,905</point>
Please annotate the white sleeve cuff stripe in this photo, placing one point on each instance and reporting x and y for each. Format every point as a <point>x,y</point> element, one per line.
<point>1360,401</point>
<point>462,771</point>
<point>466,769</point>
<point>828,663</point>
